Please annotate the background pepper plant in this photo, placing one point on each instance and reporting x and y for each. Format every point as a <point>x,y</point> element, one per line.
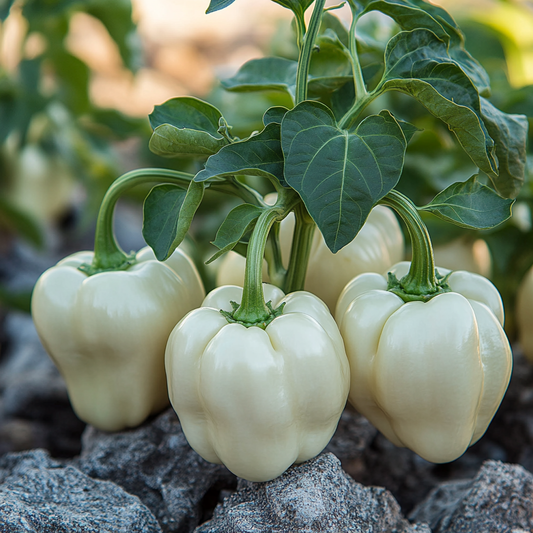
<point>334,152</point>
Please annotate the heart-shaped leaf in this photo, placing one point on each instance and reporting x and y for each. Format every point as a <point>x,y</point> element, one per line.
<point>340,175</point>
<point>259,155</point>
<point>168,213</point>
<point>471,205</point>
<point>417,63</point>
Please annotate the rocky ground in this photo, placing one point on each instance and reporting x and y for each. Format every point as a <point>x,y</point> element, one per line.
<point>57,475</point>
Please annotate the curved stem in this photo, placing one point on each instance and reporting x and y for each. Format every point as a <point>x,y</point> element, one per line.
<point>108,255</point>
<point>306,50</point>
<point>302,242</point>
<point>421,281</point>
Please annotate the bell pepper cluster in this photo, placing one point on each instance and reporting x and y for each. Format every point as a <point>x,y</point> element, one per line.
<point>260,373</point>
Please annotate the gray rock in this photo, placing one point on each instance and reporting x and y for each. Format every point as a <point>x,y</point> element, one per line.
<point>353,436</point>
<point>316,496</point>
<point>499,499</point>
<point>156,463</point>
<point>39,495</point>
<point>33,395</point>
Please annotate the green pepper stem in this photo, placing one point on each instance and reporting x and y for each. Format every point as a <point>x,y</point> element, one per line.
<point>276,270</point>
<point>253,308</point>
<point>302,242</point>
<point>108,255</point>
<point>421,279</point>
<point>304,59</point>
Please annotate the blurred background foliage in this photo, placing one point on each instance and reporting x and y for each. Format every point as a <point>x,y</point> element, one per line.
<point>79,77</point>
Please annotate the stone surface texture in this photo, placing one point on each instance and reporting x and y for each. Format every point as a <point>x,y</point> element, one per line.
<point>498,500</point>
<point>35,411</point>
<point>316,496</point>
<point>156,463</point>
<point>40,495</point>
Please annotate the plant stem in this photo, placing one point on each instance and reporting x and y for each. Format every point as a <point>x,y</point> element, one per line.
<point>420,283</point>
<point>306,50</point>
<point>362,97</point>
<point>301,248</point>
<point>276,270</point>
<point>107,253</point>
<point>359,82</point>
<point>253,309</point>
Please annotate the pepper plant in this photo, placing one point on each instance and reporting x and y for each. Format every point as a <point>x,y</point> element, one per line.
<point>332,155</point>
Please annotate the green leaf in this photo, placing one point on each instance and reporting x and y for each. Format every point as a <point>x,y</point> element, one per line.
<point>510,135</point>
<point>187,113</point>
<point>169,141</point>
<point>274,115</point>
<point>186,127</point>
<point>267,73</point>
<point>330,66</point>
<point>418,14</point>
<point>239,221</point>
<point>340,175</point>
<point>259,155</point>
<point>168,213</point>
<point>456,46</point>
<point>217,5</point>
<point>417,63</point>
<point>330,69</point>
<point>298,7</point>
<point>471,205</point>
<point>408,129</point>
<point>333,23</point>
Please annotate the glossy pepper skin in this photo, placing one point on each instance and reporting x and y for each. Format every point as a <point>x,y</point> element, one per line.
<point>429,375</point>
<point>258,400</point>
<point>378,245</point>
<point>107,332</point>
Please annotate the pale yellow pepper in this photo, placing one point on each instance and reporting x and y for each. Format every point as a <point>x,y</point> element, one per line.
<point>258,400</point>
<point>107,332</point>
<point>429,375</point>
